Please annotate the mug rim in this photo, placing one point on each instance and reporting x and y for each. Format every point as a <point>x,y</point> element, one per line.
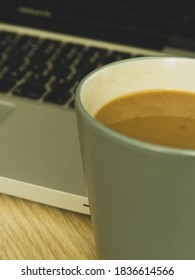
<point>114,135</point>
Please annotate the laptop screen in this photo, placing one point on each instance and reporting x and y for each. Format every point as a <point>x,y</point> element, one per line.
<point>153,25</point>
<point>94,19</point>
<point>72,17</point>
<point>37,13</point>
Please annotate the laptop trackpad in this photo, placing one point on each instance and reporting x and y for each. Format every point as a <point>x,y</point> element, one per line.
<point>35,143</point>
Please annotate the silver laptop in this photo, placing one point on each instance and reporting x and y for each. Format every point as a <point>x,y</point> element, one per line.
<point>46,48</point>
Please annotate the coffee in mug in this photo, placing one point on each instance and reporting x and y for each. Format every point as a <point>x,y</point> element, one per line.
<point>165,117</point>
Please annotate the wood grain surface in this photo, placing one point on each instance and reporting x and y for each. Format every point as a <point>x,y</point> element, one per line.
<point>32,231</point>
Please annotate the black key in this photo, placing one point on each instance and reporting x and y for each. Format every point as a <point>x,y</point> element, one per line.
<point>14,75</point>
<point>60,71</point>
<point>58,97</point>
<point>37,68</point>
<point>15,63</point>
<point>84,67</point>
<point>81,74</point>
<point>38,79</point>
<point>62,84</point>
<point>6,85</point>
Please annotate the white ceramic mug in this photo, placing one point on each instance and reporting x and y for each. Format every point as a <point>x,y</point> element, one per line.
<point>142,196</point>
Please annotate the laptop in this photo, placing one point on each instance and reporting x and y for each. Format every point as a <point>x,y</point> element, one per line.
<point>46,48</point>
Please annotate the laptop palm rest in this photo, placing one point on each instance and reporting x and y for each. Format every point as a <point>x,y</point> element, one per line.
<point>35,154</point>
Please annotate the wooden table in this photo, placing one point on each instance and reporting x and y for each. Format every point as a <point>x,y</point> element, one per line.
<point>32,231</point>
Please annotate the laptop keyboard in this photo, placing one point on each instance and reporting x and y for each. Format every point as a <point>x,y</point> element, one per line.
<point>47,70</point>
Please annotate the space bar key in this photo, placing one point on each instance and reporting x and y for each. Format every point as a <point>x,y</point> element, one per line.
<point>33,91</point>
